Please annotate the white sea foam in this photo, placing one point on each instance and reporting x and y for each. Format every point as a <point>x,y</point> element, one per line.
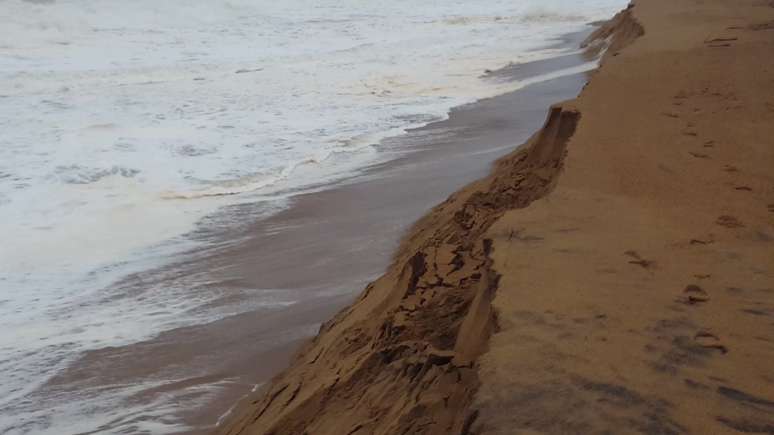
<point>123,124</point>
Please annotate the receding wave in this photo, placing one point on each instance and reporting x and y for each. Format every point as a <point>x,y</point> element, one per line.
<point>250,183</point>
<point>543,16</point>
<point>76,174</point>
<point>538,15</point>
<point>264,181</point>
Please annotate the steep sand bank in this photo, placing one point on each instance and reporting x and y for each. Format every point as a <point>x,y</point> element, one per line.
<point>614,275</point>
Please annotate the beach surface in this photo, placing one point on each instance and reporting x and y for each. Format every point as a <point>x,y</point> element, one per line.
<point>613,275</point>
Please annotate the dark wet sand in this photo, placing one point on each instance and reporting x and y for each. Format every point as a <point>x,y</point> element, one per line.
<point>322,250</point>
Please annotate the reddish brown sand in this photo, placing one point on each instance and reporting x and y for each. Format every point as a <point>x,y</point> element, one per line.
<point>615,275</point>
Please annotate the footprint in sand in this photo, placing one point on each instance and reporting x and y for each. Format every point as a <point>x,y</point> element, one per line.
<point>729,222</point>
<point>719,42</point>
<point>730,168</point>
<point>639,261</point>
<point>762,26</point>
<point>694,295</point>
<point>680,98</point>
<point>710,341</point>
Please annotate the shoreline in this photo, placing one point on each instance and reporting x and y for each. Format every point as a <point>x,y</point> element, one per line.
<point>484,118</point>
<point>376,229</point>
<point>616,238</point>
<point>435,160</point>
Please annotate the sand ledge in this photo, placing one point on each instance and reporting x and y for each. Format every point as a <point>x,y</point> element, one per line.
<point>402,358</point>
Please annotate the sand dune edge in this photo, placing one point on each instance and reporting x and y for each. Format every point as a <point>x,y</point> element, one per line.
<point>569,291</point>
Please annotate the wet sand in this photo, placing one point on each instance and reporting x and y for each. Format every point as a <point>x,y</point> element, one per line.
<point>320,251</point>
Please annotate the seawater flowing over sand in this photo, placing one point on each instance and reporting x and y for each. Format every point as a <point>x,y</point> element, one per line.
<point>124,124</point>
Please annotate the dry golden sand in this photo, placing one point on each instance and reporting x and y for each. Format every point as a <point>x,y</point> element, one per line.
<point>615,275</point>
<point>639,295</point>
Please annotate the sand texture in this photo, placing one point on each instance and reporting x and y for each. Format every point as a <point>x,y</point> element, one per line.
<point>613,275</point>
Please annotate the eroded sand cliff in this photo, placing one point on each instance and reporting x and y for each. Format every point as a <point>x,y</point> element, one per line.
<point>613,275</point>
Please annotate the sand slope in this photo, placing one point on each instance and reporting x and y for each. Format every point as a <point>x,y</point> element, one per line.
<point>614,275</point>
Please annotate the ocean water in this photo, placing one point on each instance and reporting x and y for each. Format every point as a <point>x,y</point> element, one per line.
<point>124,124</point>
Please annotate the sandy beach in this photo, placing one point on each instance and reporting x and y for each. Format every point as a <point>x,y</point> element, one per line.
<point>615,274</point>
